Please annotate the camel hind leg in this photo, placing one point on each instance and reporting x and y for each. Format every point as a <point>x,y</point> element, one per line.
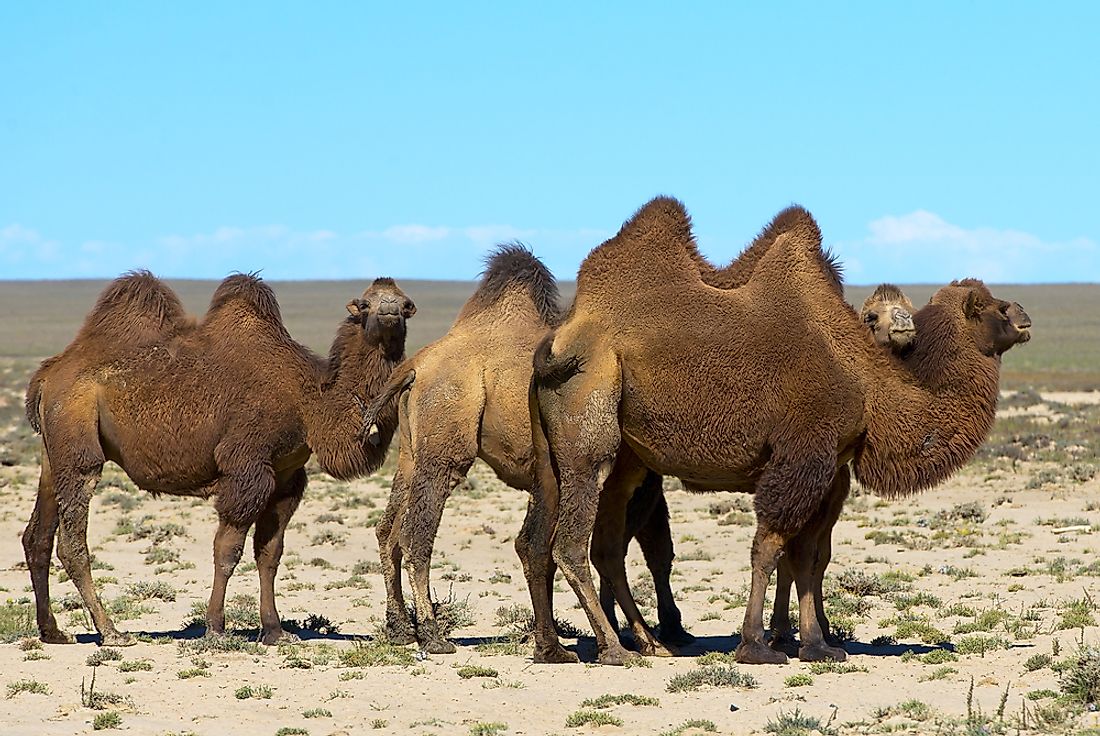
<point>268,547</point>
<point>38,539</point>
<point>580,416</point>
<point>609,540</point>
<point>74,493</point>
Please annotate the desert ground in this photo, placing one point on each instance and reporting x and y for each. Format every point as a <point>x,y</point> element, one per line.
<point>970,609</point>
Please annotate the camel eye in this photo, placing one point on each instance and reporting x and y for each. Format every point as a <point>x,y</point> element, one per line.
<point>871,318</point>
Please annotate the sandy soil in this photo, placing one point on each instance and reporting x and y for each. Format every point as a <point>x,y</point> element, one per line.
<point>1013,563</point>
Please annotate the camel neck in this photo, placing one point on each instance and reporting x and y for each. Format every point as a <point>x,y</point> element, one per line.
<point>928,421</point>
<point>358,367</point>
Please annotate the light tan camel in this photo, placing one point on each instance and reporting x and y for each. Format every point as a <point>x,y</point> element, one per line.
<point>230,406</point>
<point>770,388</point>
<point>464,397</point>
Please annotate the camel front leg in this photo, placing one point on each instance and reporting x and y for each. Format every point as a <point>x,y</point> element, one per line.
<point>813,647</point>
<point>38,539</point>
<point>429,489</point>
<point>228,548</point>
<point>268,548</point>
<point>782,631</point>
<point>655,538</point>
<point>609,541</point>
<point>399,627</point>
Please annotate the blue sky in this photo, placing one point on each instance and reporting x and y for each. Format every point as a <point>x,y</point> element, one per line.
<point>329,140</point>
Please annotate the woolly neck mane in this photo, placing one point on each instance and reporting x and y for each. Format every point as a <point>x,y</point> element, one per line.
<point>513,266</point>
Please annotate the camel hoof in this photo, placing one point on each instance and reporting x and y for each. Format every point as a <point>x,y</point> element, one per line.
<point>57,636</point>
<point>116,639</point>
<point>278,636</point>
<point>616,656</point>
<point>821,653</point>
<point>758,653</point>
<point>653,648</point>
<point>674,635</point>
<point>556,654</point>
<point>785,643</point>
<point>439,646</point>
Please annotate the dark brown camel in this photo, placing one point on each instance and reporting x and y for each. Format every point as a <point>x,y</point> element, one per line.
<point>770,388</point>
<point>465,397</point>
<point>230,407</point>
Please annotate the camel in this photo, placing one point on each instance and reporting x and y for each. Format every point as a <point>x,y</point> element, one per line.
<point>771,388</point>
<point>230,407</point>
<point>450,416</point>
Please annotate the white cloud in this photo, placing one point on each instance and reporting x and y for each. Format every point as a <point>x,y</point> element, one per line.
<point>282,252</point>
<point>412,234</point>
<point>923,247</point>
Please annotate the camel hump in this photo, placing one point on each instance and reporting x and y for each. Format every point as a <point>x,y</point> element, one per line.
<point>799,225</point>
<point>513,266</point>
<point>136,306</point>
<point>661,217</point>
<point>249,292</point>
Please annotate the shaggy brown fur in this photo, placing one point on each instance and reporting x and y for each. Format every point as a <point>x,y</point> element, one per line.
<point>230,407</point>
<point>705,389</point>
<point>463,397</point>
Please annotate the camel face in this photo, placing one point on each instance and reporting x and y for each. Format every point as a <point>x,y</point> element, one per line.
<point>995,324</point>
<point>382,311</point>
<point>888,313</point>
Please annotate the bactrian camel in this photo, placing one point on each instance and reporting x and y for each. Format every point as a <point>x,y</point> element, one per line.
<point>229,406</point>
<point>770,388</point>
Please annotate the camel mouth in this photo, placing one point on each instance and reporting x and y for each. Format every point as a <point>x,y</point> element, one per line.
<point>1025,334</point>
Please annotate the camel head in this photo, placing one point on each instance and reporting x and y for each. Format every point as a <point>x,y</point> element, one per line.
<point>382,311</point>
<point>996,325</point>
<point>888,313</point>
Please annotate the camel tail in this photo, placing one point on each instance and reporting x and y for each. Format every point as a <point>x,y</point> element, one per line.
<point>400,381</point>
<point>33,401</point>
<point>551,371</point>
<point>546,472</point>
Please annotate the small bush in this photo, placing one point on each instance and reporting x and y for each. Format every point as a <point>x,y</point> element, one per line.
<point>1079,676</point>
<point>712,676</point>
<point>799,680</point>
<point>27,686</point>
<point>376,653</point>
<point>317,713</point>
<point>259,692</point>
<point>106,654</point>
<point>794,723</point>
<point>609,701</point>
<point>592,718</point>
<point>106,720</point>
<point>473,670</point>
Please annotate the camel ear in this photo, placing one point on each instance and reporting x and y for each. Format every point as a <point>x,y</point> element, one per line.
<point>973,306</point>
<point>354,309</point>
<point>409,310</point>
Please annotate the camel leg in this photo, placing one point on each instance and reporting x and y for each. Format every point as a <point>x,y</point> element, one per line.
<point>228,548</point>
<point>609,540</point>
<point>655,538</point>
<point>429,489</point>
<point>38,540</point>
<point>268,548</point>
<point>579,501</point>
<point>803,550</point>
<point>820,529</point>
<point>789,495</point>
<point>74,493</point>
<point>533,546</point>
<point>399,627</point>
<point>838,494</point>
